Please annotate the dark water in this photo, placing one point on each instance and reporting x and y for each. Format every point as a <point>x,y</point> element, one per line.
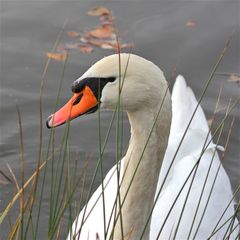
<point>28,31</point>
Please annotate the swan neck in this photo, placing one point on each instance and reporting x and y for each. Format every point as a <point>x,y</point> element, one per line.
<point>149,137</point>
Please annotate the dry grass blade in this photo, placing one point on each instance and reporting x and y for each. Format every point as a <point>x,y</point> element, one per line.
<point>210,121</point>
<point>14,177</point>
<point>18,194</point>
<point>42,84</point>
<point>14,228</point>
<point>21,166</point>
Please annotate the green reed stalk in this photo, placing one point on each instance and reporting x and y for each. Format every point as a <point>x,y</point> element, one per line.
<point>43,79</point>
<point>194,174</point>
<point>22,157</point>
<point>213,184</point>
<point>58,177</point>
<point>218,128</point>
<point>232,199</point>
<point>221,226</point>
<point>117,140</point>
<point>208,172</point>
<point>98,162</point>
<point>95,171</point>
<point>100,158</point>
<point>115,202</point>
<point>230,226</point>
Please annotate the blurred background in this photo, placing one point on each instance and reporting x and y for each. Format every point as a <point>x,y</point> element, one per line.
<point>181,37</point>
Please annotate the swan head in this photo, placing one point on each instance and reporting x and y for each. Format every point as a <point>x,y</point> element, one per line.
<point>136,82</point>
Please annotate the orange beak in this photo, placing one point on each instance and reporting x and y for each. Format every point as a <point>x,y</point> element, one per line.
<point>79,104</point>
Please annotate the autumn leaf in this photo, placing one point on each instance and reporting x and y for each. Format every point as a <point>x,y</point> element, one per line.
<point>190,23</point>
<point>73,34</point>
<point>99,11</point>
<point>234,78</point>
<point>57,56</point>
<point>101,36</point>
<point>86,48</point>
<point>105,31</point>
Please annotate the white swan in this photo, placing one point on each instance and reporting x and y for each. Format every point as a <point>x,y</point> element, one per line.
<point>144,92</point>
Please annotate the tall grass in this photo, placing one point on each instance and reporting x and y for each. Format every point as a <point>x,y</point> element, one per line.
<point>66,183</point>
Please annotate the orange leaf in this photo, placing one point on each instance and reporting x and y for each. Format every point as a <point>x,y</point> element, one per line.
<point>190,23</point>
<point>99,11</point>
<point>105,31</point>
<point>57,56</point>
<point>73,34</point>
<point>86,48</point>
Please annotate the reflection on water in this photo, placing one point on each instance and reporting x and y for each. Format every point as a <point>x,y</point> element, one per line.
<point>29,29</point>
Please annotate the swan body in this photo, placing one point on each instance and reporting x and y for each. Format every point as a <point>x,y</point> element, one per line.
<point>194,214</point>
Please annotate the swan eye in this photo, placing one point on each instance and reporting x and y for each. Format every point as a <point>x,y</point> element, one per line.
<point>78,99</point>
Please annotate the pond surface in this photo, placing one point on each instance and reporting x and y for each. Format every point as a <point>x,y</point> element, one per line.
<point>159,32</point>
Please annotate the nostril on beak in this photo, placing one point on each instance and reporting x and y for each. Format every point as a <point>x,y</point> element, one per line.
<point>48,122</point>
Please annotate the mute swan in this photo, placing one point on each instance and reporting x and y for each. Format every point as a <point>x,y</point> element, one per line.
<point>144,90</point>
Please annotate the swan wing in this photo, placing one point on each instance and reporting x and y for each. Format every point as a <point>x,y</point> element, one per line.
<point>196,181</point>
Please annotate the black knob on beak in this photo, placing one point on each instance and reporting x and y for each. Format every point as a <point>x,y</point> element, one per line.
<point>78,86</point>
